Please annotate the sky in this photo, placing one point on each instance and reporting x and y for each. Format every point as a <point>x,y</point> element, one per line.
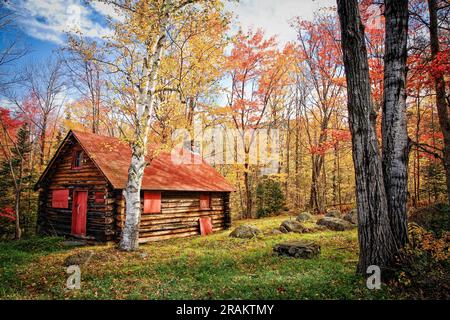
<point>43,23</point>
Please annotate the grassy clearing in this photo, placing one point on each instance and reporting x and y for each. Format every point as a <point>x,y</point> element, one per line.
<point>214,267</point>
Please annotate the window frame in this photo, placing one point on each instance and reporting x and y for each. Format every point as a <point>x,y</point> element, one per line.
<point>76,152</point>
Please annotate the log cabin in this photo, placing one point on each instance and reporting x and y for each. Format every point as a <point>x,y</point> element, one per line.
<point>81,192</point>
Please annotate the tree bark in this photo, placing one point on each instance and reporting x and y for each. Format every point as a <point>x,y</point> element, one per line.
<point>376,241</point>
<point>248,191</point>
<point>130,233</point>
<point>43,141</point>
<point>18,231</point>
<point>439,84</point>
<point>396,144</point>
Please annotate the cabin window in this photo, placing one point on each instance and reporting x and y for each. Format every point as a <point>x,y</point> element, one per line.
<point>99,197</point>
<point>77,161</point>
<point>60,198</point>
<point>205,201</point>
<point>152,202</point>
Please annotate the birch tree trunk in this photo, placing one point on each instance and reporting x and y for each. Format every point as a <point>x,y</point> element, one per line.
<point>439,84</point>
<point>376,241</point>
<point>396,144</point>
<point>130,233</point>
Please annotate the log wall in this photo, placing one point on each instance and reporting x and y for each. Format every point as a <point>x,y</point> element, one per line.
<point>100,224</point>
<point>179,217</point>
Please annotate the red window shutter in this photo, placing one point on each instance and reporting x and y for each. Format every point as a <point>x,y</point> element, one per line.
<point>99,197</point>
<point>152,202</point>
<point>205,226</point>
<point>205,201</point>
<point>60,198</point>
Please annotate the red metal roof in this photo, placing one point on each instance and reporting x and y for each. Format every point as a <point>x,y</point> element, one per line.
<point>112,156</point>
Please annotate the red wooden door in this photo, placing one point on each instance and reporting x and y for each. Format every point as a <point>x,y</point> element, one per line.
<point>79,213</point>
<point>206,226</point>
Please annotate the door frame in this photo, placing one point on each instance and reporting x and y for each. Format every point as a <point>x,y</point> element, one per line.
<point>74,221</point>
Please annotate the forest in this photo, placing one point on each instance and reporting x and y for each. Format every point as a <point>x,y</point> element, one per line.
<point>352,115</point>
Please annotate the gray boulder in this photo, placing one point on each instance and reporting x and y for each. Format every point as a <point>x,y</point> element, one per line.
<point>335,224</point>
<point>297,249</point>
<point>276,231</point>
<point>351,216</point>
<point>245,231</point>
<point>304,216</point>
<point>333,214</point>
<point>292,226</point>
<point>317,228</point>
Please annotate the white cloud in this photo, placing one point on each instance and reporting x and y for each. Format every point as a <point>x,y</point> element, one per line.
<point>273,15</point>
<point>50,19</point>
<point>107,10</point>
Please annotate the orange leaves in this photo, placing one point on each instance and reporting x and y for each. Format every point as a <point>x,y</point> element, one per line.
<point>258,71</point>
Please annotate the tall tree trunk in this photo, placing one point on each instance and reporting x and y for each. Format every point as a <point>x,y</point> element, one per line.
<point>376,241</point>
<point>18,231</point>
<point>130,234</point>
<point>439,84</point>
<point>132,192</point>
<point>288,162</point>
<point>297,156</point>
<point>248,191</point>
<point>417,158</point>
<point>43,140</point>
<point>314,201</point>
<point>396,144</point>
<point>335,176</point>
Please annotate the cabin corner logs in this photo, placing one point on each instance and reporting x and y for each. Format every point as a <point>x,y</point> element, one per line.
<point>179,215</point>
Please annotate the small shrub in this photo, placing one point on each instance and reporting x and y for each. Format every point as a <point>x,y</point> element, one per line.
<point>422,267</point>
<point>270,198</point>
<point>435,218</point>
<point>263,212</point>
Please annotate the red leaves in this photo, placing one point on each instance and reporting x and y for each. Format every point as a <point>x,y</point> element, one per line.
<point>337,136</point>
<point>10,122</point>
<point>8,213</point>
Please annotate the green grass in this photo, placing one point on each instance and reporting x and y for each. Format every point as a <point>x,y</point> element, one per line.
<point>214,267</point>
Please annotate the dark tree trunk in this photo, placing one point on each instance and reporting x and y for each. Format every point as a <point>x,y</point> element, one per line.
<point>396,143</point>
<point>18,230</point>
<point>43,141</point>
<point>439,84</point>
<point>314,201</point>
<point>297,156</point>
<point>376,241</point>
<point>248,192</point>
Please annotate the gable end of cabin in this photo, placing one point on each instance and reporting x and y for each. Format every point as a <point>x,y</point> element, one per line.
<point>75,199</point>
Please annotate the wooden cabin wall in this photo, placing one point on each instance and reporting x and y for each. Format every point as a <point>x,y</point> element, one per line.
<point>179,217</point>
<point>100,217</point>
